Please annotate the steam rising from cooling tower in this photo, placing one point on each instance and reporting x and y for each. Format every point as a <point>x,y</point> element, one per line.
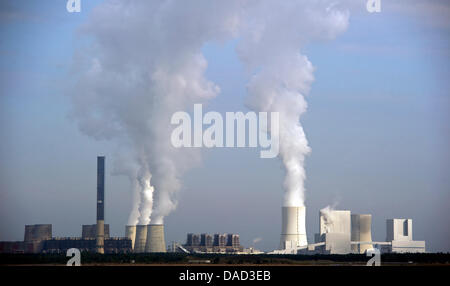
<point>144,62</point>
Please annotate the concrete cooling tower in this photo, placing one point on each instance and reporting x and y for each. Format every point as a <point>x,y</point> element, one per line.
<point>155,238</point>
<point>37,234</point>
<point>293,230</point>
<point>141,239</point>
<point>130,233</point>
<point>361,231</point>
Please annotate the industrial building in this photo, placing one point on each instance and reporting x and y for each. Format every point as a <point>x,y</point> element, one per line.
<point>38,239</point>
<point>217,243</point>
<point>342,232</point>
<point>400,237</point>
<point>94,238</point>
<point>146,238</point>
<point>89,231</point>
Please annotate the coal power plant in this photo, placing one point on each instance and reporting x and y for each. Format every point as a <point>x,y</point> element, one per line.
<point>96,237</point>
<point>340,232</point>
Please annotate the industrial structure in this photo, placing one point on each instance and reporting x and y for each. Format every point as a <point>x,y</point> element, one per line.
<point>399,234</point>
<point>100,239</point>
<point>217,243</point>
<point>293,228</point>
<point>146,238</point>
<point>155,238</point>
<point>130,233</point>
<point>362,232</point>
<point>39,239</point>
<point>89,231</point>
<point>340,232</point>
<point>94,238</point>
<point>141,239</point>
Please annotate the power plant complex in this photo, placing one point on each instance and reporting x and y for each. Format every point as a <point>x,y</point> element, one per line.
<point>340,232</point>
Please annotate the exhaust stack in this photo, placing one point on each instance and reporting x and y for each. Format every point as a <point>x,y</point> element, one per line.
<point>100,235</point>
<point>155,238</point>
<point>293,230</point>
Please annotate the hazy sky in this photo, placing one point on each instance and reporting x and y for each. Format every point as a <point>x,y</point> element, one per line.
<point>377,123</point>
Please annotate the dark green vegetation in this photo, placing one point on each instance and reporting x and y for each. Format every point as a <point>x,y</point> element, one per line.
<point>224,259</point>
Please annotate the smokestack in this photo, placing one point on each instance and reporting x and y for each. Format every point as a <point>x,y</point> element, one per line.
<point>141,238</point>
<point>155,238</point>
<point>293,230</point>
<point>130,233</point>
<point>100,241</point>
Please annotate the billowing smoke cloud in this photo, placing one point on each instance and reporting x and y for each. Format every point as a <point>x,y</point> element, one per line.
<point>270,45</point>
<point>143,62</point>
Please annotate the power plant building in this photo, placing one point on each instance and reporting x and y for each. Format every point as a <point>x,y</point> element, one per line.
<point>38,239</point>
<point>362,232</point>
<point>89,231</point>
<point>94,238</point>
<point>399,234</point>
<point>217,243</point>
<point>342,232</point>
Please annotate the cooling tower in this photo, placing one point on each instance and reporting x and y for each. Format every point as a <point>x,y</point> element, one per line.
<point>130,233</point>
<point>35,235</point>
<point>141,239</point>
<point>361,231</point>
<point>38,232</point>
<point>155,238</point>
<point>293,230</point>
<point>100,241</point>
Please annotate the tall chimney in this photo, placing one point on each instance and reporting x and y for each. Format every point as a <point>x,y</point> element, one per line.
<point>100,241</point>
<point>293,230</point>
<point>155,238</point>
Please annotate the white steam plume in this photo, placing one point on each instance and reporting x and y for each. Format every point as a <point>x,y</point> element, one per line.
<point>270,47</point>
<point>328,217</point>
<point>143,62</point>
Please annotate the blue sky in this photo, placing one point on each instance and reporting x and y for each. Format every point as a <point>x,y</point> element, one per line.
<point>377,123</point>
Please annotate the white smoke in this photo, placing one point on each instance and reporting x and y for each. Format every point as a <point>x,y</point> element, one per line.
<point>328,217</point>
<point>143,61</point>
<point>271,44</point>
<point>256,240</point>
